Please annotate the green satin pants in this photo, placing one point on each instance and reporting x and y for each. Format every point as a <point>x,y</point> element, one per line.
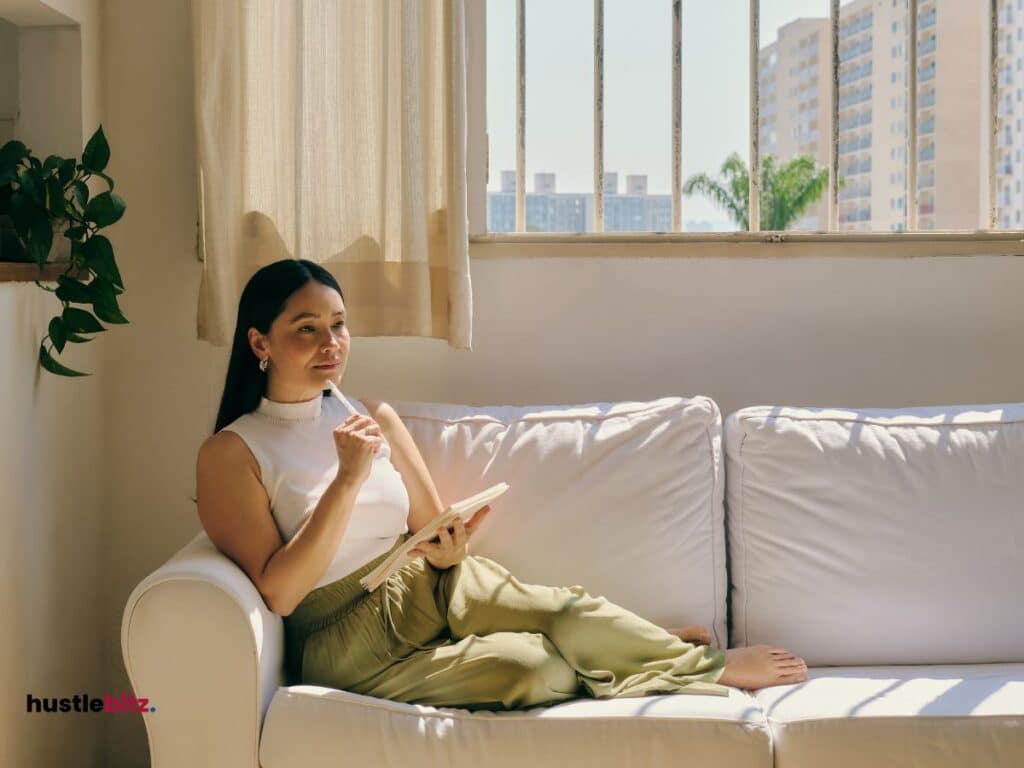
<point>473,636</point>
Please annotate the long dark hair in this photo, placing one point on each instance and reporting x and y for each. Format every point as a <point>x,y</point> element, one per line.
<point>262,300</point>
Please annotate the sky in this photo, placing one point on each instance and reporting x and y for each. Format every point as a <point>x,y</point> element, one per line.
<point>638,88</point>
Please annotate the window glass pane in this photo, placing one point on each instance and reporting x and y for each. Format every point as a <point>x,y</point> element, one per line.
<point>794,120</point>
<point>638,116</point>
<point>952,94</point>
<point>559,115</point>
<point>871,116</point>
<point>501,115</point>
<point>715,111</point>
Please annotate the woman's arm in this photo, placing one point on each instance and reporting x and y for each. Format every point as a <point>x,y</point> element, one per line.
<point>235,512</point>
<point>424,501</point>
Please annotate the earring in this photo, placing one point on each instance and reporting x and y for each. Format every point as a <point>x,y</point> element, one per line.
<point>263,364</point>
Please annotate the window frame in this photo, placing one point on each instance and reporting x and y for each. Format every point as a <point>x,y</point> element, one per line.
<point>904,243</point>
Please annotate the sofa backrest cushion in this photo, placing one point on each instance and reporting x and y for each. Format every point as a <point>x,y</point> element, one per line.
<point>878,536</point>
<point>623,499</point>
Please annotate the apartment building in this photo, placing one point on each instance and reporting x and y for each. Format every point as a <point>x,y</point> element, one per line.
<point>952,88</point>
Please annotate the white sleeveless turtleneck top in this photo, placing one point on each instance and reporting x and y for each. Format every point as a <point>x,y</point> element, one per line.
<point>294,446</point>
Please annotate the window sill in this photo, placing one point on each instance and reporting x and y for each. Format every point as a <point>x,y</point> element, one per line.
<point>759,244</point>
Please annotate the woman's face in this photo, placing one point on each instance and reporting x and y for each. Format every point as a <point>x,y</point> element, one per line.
<point>311,330</point>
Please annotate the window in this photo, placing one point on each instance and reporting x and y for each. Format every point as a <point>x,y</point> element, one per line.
<point>670,147</point>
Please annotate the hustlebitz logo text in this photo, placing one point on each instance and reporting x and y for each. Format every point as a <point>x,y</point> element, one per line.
<point>83,702</point>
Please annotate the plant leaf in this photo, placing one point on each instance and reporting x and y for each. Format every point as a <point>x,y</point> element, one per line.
<point>31,181</point>
<point>80,321</point>
<point>105,209</point>
<point>57,334</point>
<point>40,238</point>
<point>97,152</point>
<point>81,193</point>
<point>74,291</point>
<point>76,339</point>
<point>53,161</point>
<point>106,309</point>
<point>12,153</point>
<point>99,257</point>
<point>22,212</point>
<point>54,367</point>
<point>101,289</point>
<point>67,171</point>
<point>55,197</point>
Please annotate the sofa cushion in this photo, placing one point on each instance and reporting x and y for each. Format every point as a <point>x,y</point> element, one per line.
<point>624,499</point>
<point>878,536</point>
<point>905,717</point>
<point>311,726</point>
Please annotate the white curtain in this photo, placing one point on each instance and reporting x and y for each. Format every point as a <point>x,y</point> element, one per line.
<point>335,131</point>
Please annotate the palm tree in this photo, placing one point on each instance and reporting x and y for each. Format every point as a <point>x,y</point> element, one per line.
<point>786,191</point>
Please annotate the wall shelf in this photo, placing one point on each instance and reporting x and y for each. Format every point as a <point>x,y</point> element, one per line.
<point>27,272</point>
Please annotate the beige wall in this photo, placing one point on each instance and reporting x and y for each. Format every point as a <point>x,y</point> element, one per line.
<point>8,79</point>
<point>52,465</point>
<point>809,331</point>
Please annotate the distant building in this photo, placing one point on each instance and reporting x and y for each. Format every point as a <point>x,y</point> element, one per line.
<point>611,183</point>
<point>794,114</point>
<point>544,183</point>
<point>551,211</point>
<point>636,184</point>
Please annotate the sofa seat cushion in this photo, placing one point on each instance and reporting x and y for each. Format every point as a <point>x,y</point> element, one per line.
<point>946,716</point>
<point>310,726</point>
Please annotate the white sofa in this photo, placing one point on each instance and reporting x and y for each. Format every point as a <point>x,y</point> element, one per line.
<point>884,547</point>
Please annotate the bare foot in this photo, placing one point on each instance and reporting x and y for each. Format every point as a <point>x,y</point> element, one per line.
<point>762,666</point>
<point>695,634</point>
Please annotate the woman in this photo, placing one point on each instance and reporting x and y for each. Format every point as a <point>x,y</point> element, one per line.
<point>308,491</point>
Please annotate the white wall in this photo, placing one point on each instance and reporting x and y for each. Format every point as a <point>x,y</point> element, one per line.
<point>550,327</point>
<point>52,466</point>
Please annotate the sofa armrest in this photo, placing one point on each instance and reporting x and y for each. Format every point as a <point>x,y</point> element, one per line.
<point>199,642</point>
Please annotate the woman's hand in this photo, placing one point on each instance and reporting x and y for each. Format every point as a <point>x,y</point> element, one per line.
<point>450,549</point>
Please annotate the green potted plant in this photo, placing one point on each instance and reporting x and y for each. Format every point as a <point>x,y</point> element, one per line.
<point>41,199</point>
